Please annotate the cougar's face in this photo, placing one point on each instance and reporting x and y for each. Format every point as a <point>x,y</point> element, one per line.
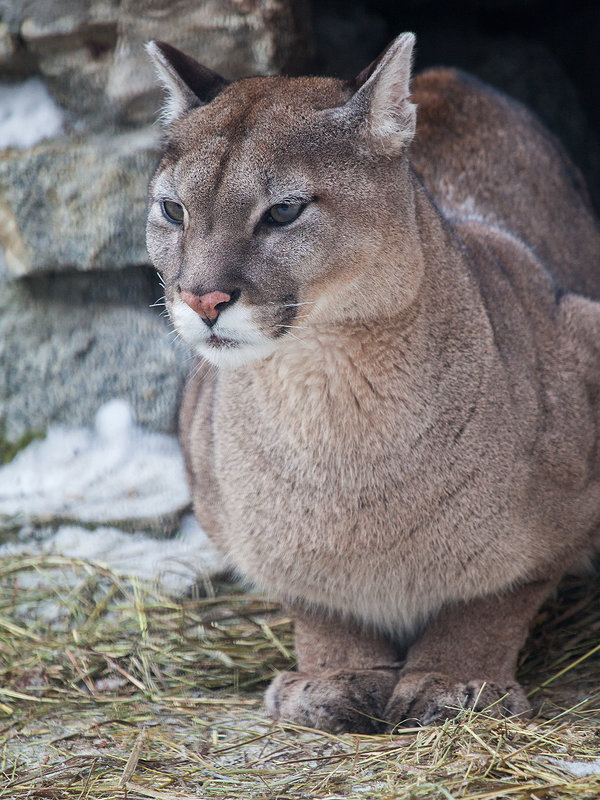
<point>254,210</point>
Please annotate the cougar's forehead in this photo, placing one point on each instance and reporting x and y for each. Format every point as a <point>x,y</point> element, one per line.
<point>250,132</point>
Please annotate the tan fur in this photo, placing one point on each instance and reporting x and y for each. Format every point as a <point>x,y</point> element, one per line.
<point>414,463</point>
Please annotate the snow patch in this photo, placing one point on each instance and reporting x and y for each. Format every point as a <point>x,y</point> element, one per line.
<point>28,114</point>
<point>580,768</point>
<point>116,474</point>
<point>116,471</point>
<point>172,564</point>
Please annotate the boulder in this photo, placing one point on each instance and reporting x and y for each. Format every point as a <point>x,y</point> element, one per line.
<point>237,38</point>
<point>72,45</point>
<point>91,52</point>
<point>76,203</point>
<point>70,342</point>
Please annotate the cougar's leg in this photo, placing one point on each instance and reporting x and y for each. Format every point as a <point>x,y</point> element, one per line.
<point>467,657</point>
<point>345,676</point>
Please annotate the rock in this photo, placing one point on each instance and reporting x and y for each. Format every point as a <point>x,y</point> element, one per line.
<point>76,204</point>
<point>15,61</point>
<point>70,342</point>
<point>72,44</point>
<point>91,52</point>
<point>237,38</point>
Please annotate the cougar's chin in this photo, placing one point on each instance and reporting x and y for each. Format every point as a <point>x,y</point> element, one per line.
<point>234,339</point>
<point>231,355</point>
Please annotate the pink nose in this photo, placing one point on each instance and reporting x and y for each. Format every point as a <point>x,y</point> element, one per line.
<point>206,304</point>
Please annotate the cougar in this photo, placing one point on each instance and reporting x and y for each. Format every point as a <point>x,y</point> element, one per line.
<point>393,424</point>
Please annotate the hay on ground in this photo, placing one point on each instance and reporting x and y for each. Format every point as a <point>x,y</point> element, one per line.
<point>110,689</point>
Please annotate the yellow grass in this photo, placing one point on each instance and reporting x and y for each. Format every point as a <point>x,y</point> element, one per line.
<point>110,689</point>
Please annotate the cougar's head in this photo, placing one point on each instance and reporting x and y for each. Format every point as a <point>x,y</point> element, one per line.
<point>275,200</point>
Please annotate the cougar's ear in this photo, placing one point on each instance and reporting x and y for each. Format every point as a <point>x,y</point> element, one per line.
<point>381,101</point>
<point>188,84</point>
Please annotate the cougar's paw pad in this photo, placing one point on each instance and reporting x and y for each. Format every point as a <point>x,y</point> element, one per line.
<point>424,698</point>
<point>343,700</point>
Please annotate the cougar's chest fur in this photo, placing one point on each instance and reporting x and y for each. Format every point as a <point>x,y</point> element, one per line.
<point>329,476</point>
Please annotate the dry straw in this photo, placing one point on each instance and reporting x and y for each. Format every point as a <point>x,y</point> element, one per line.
<point>110,689</point>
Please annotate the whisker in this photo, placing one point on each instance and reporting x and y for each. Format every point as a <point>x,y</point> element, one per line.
<point>289,329</point>
<point>190,353</point>
<point>293,336</point>
<point>290,305</point>
<point>197,370</point>
<point>159,302</point>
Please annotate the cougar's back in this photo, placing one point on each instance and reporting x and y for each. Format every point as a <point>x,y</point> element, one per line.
<point>485,158</point>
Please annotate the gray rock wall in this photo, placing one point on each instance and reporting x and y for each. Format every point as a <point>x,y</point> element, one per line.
<point>76,203</point>
<point>76,323</point>
<point>70,342</point>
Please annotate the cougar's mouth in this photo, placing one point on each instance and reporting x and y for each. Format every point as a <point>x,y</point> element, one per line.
<point>235,339</point>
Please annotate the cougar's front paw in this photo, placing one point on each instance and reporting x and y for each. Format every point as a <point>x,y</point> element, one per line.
<point>431,696</point>
<point>344,700</point>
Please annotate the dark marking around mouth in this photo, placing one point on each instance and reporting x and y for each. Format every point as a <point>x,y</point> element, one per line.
<point>217,342</point>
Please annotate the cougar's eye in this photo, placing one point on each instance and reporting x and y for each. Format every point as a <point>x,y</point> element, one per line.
<point>172,211</point>
<point>284,213</point>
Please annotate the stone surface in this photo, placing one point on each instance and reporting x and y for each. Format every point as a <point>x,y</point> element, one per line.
<point>90,52</point>
<point>76,204</point>
<point>72,45</point>
<point>234,37</point>
<point>70,342</point>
